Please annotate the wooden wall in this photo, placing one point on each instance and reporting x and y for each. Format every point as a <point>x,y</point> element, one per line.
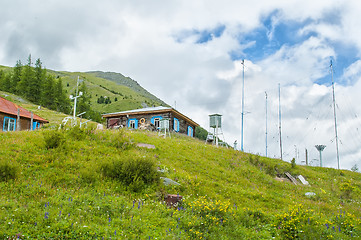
<point>24,122</point>
<point>122,121</point>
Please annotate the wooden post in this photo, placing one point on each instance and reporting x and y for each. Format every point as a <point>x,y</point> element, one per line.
<point>306,157</point>
<point>18,121</point>
<point>31,121</point>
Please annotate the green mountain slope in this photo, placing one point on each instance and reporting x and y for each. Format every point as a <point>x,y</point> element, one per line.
<point>77,190</point>
<point>123,92</point>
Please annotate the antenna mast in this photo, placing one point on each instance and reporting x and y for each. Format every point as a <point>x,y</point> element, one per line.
<point>279,116</point>
<point>242,106</point>
<point>266,124</point>
<point>334,114</point>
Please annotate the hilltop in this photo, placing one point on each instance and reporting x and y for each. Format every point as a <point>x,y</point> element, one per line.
<point>105,91</point>
<point>123,92</point>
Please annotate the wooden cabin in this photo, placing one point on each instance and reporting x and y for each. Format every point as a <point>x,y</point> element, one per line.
<point>152,117</point>
<point>16,118</point>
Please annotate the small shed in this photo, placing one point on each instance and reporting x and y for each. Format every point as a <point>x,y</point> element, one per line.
<point>138,118</point>
<point>15,118</point>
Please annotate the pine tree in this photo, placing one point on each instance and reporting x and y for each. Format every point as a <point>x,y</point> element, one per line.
<point>47,95</point>
<point>36,83</point>
<point>16,77</point>
<point>83,104</point>
<point>62,102</point>
<point>2,80</point>
<point>27,79</point>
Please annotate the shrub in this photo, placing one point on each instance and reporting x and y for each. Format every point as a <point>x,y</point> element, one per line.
<point>346,189</point>
<point>120,140</point>
<point>53,139</point>
<point>135,174</point>
<point>77,133</point>
<point>7,171</point>
<point>293,163</point>
<point>87,176</point>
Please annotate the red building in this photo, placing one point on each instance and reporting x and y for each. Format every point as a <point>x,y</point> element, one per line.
<point>16,118</point>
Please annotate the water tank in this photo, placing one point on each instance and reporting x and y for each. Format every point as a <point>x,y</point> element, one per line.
<point>215,120</point>
<point>164,123</point>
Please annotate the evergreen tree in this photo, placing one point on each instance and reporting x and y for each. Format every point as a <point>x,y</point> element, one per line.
<point>62,102</point>
<point>5,82</point>
<point>16,77</point>
<point>83,102</point>
<point>27,79</point>
<point>36,83</point>
<point>2,79</point>
<point>48,93</point>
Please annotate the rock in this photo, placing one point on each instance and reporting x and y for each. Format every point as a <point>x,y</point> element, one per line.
<point>145,145</point>
<point>310,194</point>
<point>168,181</point>
<point>303,180</point>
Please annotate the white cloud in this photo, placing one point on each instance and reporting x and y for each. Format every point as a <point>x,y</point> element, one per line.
<point>139,39</point>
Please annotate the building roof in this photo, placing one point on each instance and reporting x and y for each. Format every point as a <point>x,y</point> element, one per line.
<point>11,108</point>
<point>159,109</point>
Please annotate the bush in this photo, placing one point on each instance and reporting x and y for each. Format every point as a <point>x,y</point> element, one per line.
<point>135,174</point>
<point>77,133</point>
<point>53,139</point>
<point>293,163</point>
<point>120,140</point>
<point>7,171</point>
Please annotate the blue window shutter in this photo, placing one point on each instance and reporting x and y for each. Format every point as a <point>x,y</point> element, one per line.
<point>152,119</point>
<point>35,125</point>
<point>190,131</point>
<point>135,122</point>
<point>176,125</point>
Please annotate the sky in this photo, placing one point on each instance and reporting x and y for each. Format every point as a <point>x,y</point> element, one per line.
<point>189,53</point>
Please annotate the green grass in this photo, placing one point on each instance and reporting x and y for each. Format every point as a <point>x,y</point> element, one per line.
<point>129,96</point>
<point>63,192</point>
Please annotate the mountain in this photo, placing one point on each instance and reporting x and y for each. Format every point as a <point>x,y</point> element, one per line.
<point>123,92</point>
<point>108,91</point>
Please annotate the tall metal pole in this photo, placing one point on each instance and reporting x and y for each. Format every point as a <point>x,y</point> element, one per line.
<point>76,94</point>
<point>279,116</point>
<point>266,125</point>
<point>242,106</point>
<point>334,114</point>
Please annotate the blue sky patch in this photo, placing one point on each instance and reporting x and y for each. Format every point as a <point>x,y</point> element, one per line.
<point>270,37</point>
<point>201,36</point>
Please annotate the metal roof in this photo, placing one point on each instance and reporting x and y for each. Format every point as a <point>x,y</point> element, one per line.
<point>159,109</point>
<point>11,108</point>
<point>148,109</point>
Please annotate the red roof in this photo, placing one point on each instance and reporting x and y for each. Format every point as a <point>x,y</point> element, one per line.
<point>12,109</point>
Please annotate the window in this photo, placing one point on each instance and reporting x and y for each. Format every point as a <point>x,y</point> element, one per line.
<point>176,125</point>
<point>190,131</point>
<point>9,124</point>
<point>133,123</point>
<point>155,120</point>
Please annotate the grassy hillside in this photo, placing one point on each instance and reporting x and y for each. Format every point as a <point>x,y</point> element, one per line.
<point>71,185</point>
<point>124,93</point>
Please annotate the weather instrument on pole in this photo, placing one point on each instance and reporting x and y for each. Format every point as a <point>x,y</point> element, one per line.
<point>320,149</point>
<point>242,114</point>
